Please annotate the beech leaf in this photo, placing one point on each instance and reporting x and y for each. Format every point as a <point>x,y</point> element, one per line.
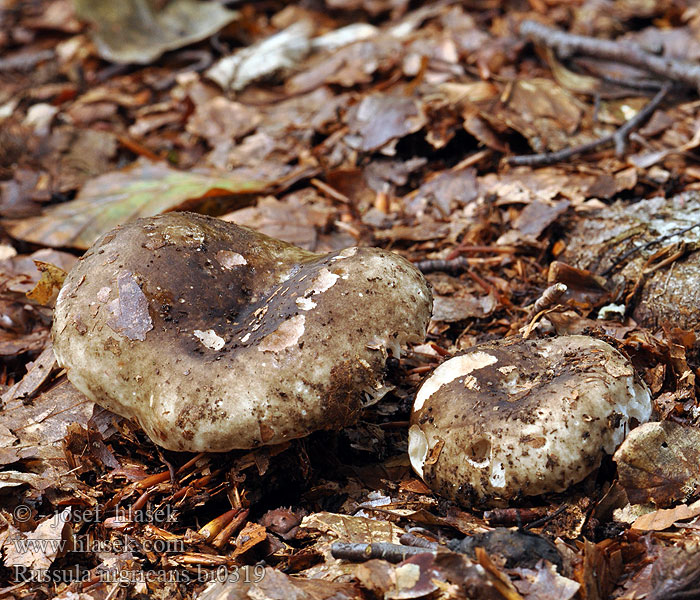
<point>140,190</point>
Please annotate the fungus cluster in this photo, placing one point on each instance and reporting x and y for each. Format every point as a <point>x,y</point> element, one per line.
<point>216,337</point>
<point>519,418</point>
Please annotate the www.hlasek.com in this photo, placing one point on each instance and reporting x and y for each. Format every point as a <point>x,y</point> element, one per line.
<point>128,577</point>
<point>84,544</point>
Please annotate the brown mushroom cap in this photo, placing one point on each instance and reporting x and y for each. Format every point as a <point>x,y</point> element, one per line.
<point>514,417</point>
<point>216,337</point>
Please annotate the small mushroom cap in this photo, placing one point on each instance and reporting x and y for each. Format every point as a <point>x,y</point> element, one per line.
<point>520,418</point>
<point>216,337</point>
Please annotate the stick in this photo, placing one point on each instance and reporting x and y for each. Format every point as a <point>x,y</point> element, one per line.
<point>629,53</point>
<point>452,265</point>
<point>393,553</point>
<point>416,541</point>
<point>636,249</point>
<point>619,138</point>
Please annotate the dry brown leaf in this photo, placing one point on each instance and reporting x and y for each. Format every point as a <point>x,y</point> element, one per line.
<point>46,290</point>
<point>221,121</point>
<point>139,31</point>
<point>546,114</point>
<point>544,583</point>
<point>658,462</point>
<point>37,550</point>
<point>266,583</point>
<point>382,118</point>
<point>142,189</point>
<point>353,529</point>
<point>37,373</point>
<point>451,309</point>
<point>665,517</point>
<point>297,220</point>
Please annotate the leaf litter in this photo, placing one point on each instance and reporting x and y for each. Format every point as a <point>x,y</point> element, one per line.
<point>330,125</point>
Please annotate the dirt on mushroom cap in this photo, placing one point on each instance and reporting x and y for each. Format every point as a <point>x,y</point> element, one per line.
<point>513,417</point>
<point>216,337</point>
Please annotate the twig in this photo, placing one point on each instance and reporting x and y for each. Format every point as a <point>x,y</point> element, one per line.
<point>361,552</point>
<point>629,53</point>
<point>550,158</point>
<point>636,249</point>
<point>453,265</point>
<point>225,534</point>
<point>546,519</point>
<point>619,138</point>
<point>621,135</point>
<point>416,541</point>
<point>331,191</point>
<point>649,85</point>
<point>647,270</point>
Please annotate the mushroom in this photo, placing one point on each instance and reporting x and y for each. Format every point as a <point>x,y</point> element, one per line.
<point>215,337</point>
<point>519,418</point>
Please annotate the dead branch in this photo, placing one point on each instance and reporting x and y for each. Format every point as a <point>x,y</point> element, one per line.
<point>361,552</point>
<point>546,519</point>
<point>453,265</point>
<point>416,541</point>
<point>567,44</point>
<point>619,138</point>
<point>636,249</point>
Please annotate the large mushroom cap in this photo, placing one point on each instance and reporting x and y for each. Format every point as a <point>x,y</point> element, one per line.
<point>514,417</point>
<point>216,337</point>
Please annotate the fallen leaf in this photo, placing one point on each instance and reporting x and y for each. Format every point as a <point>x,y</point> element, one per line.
<point>665,517</point>
<point>544,583</point>
<point>447,192</point>
<point>139,31</point>
<point>537,216</point>
<point>140,190</point>
<point>353,529</point>
<point>382,118</point>
<point>276,53</point>
<point>39,426</point>
<point>546,114</point>
<point>219,120</point>
<point>251,535</point>
<point>37,373</point>
<point>676,573</point>
<point>292,221</point>
<point>266,583</point>
<point>37,550</point>
<point>658,462</point>
<point>46,290</point>
<point>451,309</point>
